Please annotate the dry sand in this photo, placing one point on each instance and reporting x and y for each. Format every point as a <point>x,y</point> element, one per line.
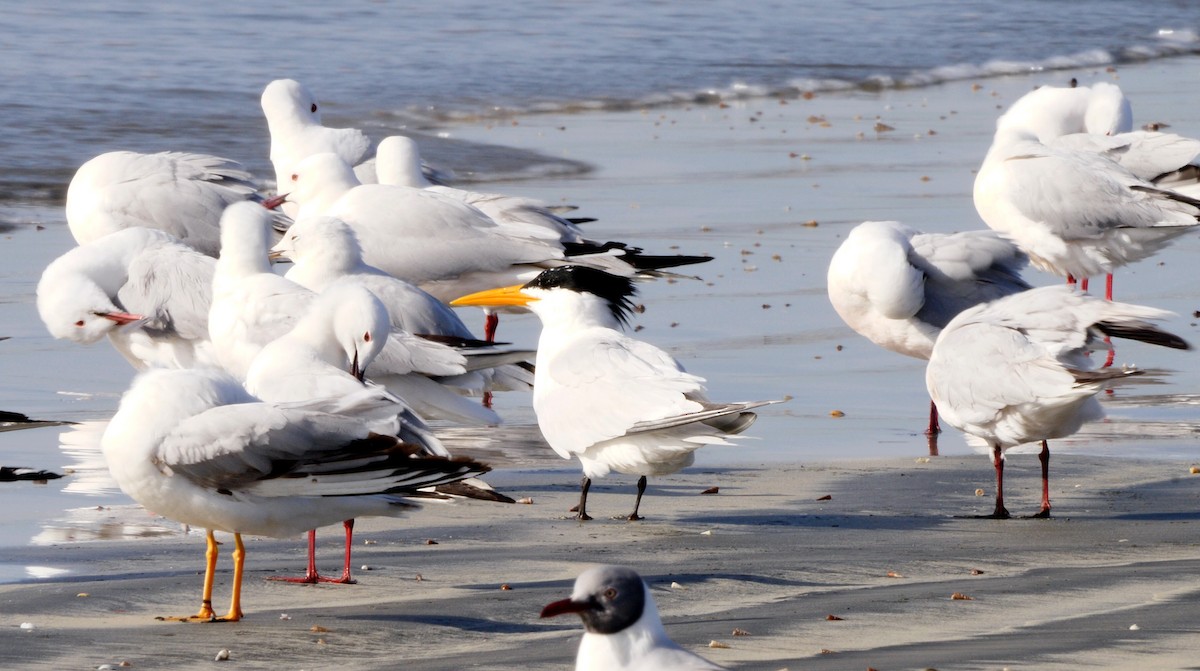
<point>741,182</point>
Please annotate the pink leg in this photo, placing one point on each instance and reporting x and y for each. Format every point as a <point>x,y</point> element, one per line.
<point>931,434</point>
<point>1044,457</point>
<point>310,574</point>
<point>345,579</point>
<point>934,429</point>
<point>1001,513</point>
<point>491,321</point>
<point>1083,285</point>
<point>1108,287</point>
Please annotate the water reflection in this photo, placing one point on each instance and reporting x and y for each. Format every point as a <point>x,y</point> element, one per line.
<point>105,523</point>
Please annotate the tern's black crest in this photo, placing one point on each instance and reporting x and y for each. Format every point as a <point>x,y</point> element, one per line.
<point>617,601</point>
<point>614,289</point>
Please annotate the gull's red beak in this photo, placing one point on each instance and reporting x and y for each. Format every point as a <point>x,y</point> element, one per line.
<point>121,318</point>
<point>272,203</point>
<point>359,373</point>
<point>565,606</point>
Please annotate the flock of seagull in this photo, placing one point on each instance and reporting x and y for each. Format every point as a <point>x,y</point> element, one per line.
<point>272,404</point>
<point>1069,187</point>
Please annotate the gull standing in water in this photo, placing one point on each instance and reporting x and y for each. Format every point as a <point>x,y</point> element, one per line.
<point>141,287</point>
<point>193,446</point>
<point>899,287</point>
<point>623,631</point>
<point>182,194</point>
<point>614,402</point>
<point>1016,370</point>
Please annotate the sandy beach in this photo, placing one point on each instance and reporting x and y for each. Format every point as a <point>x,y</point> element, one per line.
<point>1108,583</point>
<point>768,187</point>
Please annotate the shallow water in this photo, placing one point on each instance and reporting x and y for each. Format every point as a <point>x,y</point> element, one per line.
<point>742,181</point>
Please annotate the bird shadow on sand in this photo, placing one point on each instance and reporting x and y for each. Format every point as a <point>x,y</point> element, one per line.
<point>462,622</point>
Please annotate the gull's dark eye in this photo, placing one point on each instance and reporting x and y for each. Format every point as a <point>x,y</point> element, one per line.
<point>610,593</point>
<point>367,337</point>
<point>314,108</point>
<point>79,323</point>
<point>295,177</point>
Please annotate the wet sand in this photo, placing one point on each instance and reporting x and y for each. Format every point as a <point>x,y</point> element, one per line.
<point>766,555</point>
<point>768,188</point>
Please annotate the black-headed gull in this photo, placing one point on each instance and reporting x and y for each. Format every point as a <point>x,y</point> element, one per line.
<point>145,290</point>
<point>899,287</point>
<point>182,194</point>
<point>614,402</point>
<point>252,306</point>
<point>1016,370</point>
<point>193,446</point>
<point>623,631</point>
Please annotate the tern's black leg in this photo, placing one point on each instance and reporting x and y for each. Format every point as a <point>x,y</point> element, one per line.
<point>641,486</point>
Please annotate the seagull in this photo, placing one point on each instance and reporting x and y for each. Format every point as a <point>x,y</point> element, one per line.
<point>899,287</point>
<point>398,162</point>
<point>344,324</point>
<point>142,288</point>
<point>195,447</point>
<point>443,245</point>
<point>294,122</point>
<point>182,194</point>
<point>1100,120</point>
<point>252,306</point>
<point>1052,111</point>
<point>1075,213</point>
<point>623,629</point>
<point>614,402</point>
<point>1015,370</point>
<point>325,253</point>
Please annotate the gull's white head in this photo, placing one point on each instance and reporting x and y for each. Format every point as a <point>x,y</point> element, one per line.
<point>246,236</point>
<point>609,599</point>
<point>287,101</point>
<point>76,308</point>
<point>1051,112</point>
<point>348,325</point>
<point>327,241</point>
<point>318,181</point>
<point>398,161</point>
<point>1109,111</point>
